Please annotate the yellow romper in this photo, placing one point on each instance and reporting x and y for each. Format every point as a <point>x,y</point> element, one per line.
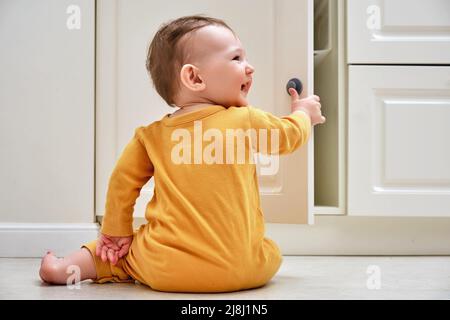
<point>205,229</point>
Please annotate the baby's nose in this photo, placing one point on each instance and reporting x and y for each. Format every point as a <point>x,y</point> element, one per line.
<point>250,69</point>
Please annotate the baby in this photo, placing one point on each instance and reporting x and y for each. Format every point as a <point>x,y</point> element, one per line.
<point>205,226</point>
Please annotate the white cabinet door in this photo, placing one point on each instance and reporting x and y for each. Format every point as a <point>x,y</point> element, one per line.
<point>398,31</point>
<point>277,35</point>
<point>47,111</point>
<point>399,141</point>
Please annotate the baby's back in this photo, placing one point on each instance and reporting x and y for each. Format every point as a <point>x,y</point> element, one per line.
<point>205,228</point>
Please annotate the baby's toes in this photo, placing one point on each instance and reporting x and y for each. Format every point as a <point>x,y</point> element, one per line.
<point>49,256</point>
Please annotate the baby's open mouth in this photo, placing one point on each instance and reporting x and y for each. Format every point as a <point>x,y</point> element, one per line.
<point>246,86</point>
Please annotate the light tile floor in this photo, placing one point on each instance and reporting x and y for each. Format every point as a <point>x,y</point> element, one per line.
<point>300,277</point>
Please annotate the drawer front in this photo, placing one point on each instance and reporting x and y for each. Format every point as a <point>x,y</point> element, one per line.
<point>399,141</point>
<point>398,31</point>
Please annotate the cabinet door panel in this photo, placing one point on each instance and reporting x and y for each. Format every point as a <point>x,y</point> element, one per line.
<point>47,65</point>
<point>277,36</point>
<point>399,149</point>
<point>398,31</point>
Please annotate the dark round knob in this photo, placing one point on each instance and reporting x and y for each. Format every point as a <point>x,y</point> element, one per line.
<point>296,84</point>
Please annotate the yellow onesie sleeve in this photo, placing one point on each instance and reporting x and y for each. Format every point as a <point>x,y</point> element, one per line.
<point>293,130</point>
<point>132,171</point>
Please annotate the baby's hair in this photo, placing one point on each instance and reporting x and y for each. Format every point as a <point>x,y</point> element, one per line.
<point>165,55</point>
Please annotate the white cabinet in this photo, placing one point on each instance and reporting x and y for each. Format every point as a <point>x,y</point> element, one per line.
<point>47,118</point>
<point>398,31</point>
<point>126,100</point>
<point>47,111</point>
<point>47,87</point>
<point>398,116</point>
<point>398,141</point>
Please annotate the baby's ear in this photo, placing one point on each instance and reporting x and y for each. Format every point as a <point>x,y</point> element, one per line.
<point>191,79</point>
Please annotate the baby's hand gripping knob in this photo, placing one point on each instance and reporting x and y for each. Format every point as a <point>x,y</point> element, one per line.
<point>296,84</point>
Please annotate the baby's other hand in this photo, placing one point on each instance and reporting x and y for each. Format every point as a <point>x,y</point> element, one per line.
<point>311,105</point>
<point>112,248</point>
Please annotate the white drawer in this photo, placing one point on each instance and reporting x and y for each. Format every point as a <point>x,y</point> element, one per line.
<point>399,141</point>
<point>398,31</point>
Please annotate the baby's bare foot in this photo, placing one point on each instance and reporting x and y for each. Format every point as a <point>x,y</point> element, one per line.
<point>49,265</point>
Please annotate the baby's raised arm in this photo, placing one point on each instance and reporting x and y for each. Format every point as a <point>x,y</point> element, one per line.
<point>291,131</point>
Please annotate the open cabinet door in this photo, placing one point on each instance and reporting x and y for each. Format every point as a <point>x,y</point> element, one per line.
<point>278,38</point>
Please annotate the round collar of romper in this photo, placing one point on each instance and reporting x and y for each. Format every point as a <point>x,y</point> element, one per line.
<point>191,116</point>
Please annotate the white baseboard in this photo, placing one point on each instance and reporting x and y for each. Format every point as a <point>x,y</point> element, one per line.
<point>366,236</point>
<point>30,240</point>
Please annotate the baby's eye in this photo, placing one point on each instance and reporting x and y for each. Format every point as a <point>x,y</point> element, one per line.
<point>237,58</point>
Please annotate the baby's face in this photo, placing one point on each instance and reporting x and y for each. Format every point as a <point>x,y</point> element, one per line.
<point>223,66</point>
